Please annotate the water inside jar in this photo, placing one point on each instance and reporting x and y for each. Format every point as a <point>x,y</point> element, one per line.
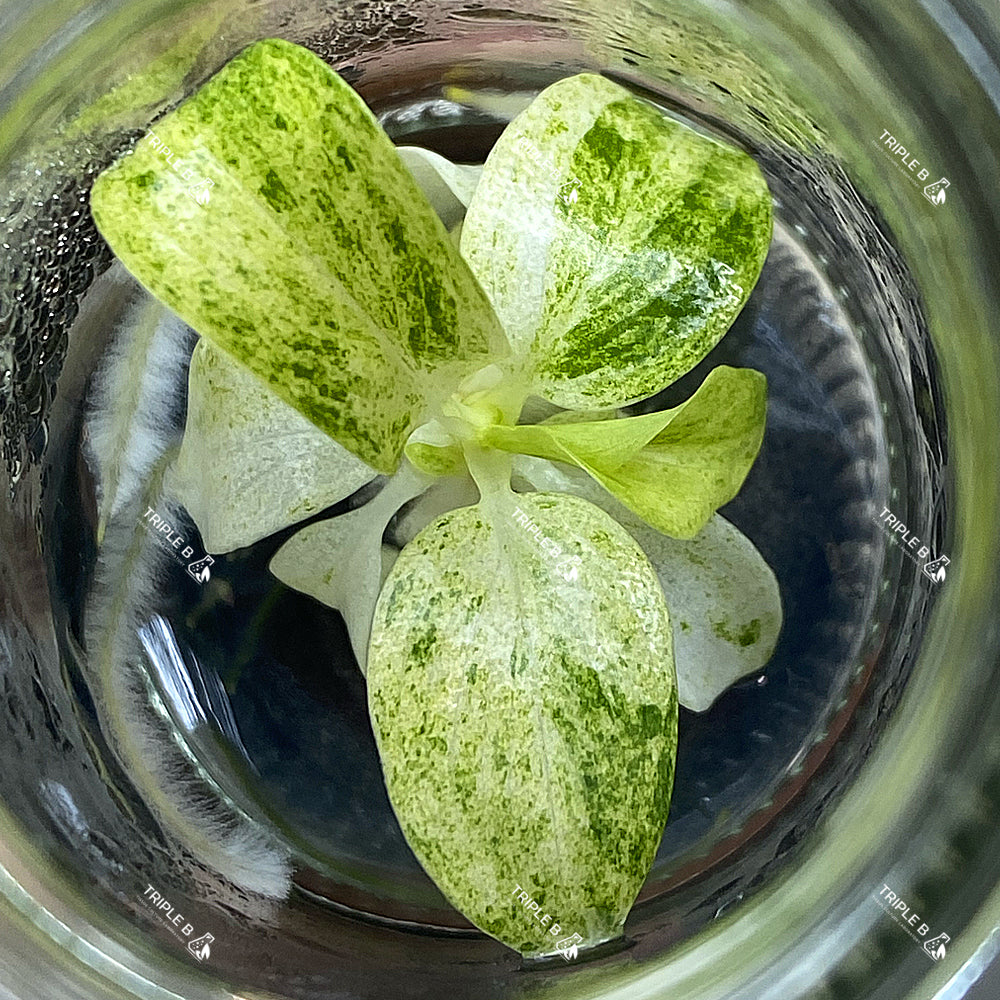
<point>255,685</point>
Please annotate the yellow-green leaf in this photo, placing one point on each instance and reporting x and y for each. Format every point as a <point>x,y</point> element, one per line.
<point>273,214</point>
<point>617,245</point>
<point>674,468</point>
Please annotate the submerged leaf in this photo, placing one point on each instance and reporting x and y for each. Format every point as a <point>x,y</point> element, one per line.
<point>272,213</point>
<point>674,467</point>
<point>495,103</point>
<point>616,245</point>
<point>724,604</point>
<point>340,561</point>
<point>250,464</point>
<point>522,692</point>
<point>724,601</point>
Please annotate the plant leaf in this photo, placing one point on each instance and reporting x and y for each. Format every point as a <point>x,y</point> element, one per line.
<point>339,561</point>
<point>724,604</point>
<point>525,716</point>
<point>599,444</point>
<point>495,103</point>
<point>314,258</point>
<point>616,245</point>
<point>250,464</point>
<point>434,451</point>
<point>674,467</point>
<point>448,186</point>
<point>724,601</point>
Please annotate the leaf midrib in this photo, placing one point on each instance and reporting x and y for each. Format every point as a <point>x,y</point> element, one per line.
<point>501,531</point>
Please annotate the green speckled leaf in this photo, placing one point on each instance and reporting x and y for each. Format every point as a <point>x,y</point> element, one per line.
<point>617,245</point>
<point>724,601</point>
<point>249,463</point>
<point>274,216</point>
<point>521,687</point>
<point>674,468</point>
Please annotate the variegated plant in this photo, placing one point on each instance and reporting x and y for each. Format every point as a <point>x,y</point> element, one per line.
<point>472,333</point>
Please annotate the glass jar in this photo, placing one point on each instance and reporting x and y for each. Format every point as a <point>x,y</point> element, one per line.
<point>834,831</point>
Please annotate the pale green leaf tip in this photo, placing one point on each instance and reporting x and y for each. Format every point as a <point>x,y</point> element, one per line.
<point>435,460</point>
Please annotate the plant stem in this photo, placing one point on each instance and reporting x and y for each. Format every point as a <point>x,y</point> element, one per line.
<point>491,469</point>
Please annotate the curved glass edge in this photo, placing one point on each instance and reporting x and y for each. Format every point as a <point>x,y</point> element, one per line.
<point>51,945</point>
<point>794,899</point>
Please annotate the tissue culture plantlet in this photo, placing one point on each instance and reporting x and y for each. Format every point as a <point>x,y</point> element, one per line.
<point>519,652</point>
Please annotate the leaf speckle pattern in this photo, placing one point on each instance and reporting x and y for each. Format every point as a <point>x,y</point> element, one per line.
<point>269,269</point>
<point>636,243</point>
<point>492,678</point>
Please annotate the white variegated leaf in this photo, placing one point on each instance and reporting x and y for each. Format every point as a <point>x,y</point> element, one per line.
<point>250,464</point>
<point>724,602</point>
<point>442,496</point>
<point>340,561</point>
<point>617,245</point>
<point>526,714</point>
